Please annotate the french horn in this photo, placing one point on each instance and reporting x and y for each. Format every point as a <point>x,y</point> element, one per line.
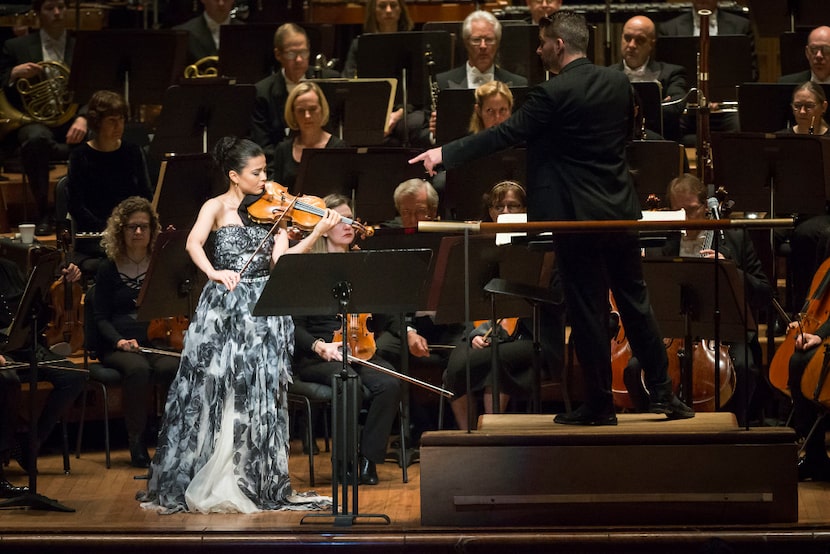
<point>203,67</point>
<point>45,99</point>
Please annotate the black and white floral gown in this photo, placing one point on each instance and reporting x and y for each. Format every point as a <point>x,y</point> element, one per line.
<point>223,443</point>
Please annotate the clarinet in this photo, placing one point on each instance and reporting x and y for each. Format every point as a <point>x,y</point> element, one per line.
<point>433,83</point>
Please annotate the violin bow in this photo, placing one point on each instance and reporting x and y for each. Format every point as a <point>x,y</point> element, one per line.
<point>265,238</point>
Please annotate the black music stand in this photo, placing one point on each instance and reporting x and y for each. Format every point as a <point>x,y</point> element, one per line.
<point>173,282</point>
<point>653,164</point>
<point>341,284</point>
<point>455,108</point>
<point>140,64</point>
<point>467,185</point>
<point>733,55</point>
<point>368,176</point>
<point>791,49</point>
<point>359,108</point>
<point>403,52</point>
<point>650,96</point>
<point>23,335</point>
<point>185,181</point>
<point>698,297</point>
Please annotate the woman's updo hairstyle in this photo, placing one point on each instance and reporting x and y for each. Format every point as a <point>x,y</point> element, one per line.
<point>232,154</point>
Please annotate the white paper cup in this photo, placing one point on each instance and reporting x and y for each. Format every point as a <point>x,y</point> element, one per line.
<point>27,233</point>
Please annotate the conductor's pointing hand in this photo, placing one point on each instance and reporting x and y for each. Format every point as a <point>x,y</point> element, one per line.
<point>431,158</point>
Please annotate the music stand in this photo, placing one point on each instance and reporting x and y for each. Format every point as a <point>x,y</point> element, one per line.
<point>139,63</point>
<point>403,52</point>
<point>185,182</point>
<point>455,108</point>
<point>650,94</point>
<point>368,176</point>
<point>792,45</point>
<point>653,164</point>
<point>343,283</point>
<point>359,108</point>
<point>173,282</point>
<point>23,335</point>
<point>698,297</point>
<point>467,185</point>
<point>517,52</point>
<point>732,52</point>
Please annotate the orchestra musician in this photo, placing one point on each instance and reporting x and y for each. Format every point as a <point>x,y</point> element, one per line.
<point>103,171</point>
<point>292,50</point>
<point>541,8</point>
<point>576,126</point>
<point>306,113</point>
<point>318,357</point>
<point>66,385</point>
<point>39,144</point>
<point>128,240</point>
<point>223,442</point>
<point>203,30</point>
<point>817,51</point>
<point>382,16</point>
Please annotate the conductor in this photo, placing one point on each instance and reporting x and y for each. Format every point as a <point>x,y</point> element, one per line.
<point>576,127</point>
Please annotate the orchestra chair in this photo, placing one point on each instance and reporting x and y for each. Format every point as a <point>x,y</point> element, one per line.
<point>100,376</point>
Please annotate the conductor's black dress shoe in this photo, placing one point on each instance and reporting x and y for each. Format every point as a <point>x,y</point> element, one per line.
<point>7,490</point>
<point>584,415</point>
<point>664,401</point>
<point>368,472</point>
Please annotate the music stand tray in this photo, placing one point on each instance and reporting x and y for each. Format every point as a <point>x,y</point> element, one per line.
<point>359,108</point>
<point>651,99</point>
<point>733,67</point>
<point>467,185</point>
<point>455,108</point>
<point>653,164</point>
<point>185,182</point>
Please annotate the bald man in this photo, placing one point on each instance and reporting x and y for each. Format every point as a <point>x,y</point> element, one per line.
<point>639,36</point>
<point>817,51</point>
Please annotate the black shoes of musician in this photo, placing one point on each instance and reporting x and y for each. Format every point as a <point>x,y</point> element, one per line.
<point>664,401</point>
<point>139,457</point>
<point>7,490</point>
<point>44,228</point>
<point>585,415</point>
<point>368,472</point>
<point>814,469</point>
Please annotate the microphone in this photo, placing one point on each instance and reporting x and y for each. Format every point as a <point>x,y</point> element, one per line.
<point>714,207</point>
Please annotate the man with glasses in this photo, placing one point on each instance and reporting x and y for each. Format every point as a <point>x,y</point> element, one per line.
<point>292,51</point>
<point>541,8</point>
<point>817,51</point>
<point>203,30</point>
<point>481,33</point>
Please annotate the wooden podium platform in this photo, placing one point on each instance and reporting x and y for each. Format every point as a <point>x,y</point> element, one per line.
<point>520,470</point>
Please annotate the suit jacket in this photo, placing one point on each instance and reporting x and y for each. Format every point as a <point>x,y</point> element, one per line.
<point>673,80</point>
<point>457,78</point>
<point>576,127</point>
<point>200,41</point>
<point>728,24</point>
<point>268,119</point>
<point>796,78</point>
<point>25,49</point>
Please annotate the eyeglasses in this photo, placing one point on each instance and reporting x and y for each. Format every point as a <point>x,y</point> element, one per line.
<point>511,208</point>
<point>809,106</point>
<point>489,41</point>
<point>816,48</point>
<point>294,54</point>
<point>133,227</point>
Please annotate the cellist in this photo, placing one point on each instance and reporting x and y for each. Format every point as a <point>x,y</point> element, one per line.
<point>689,193</point>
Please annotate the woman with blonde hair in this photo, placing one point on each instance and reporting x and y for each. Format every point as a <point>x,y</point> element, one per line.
<point>494,104</point>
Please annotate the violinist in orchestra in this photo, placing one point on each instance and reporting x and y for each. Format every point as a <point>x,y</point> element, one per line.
<point>306,113</point>
<point>128,241</point>
<point>318,356</point>
<point>66,384</point>
<point>103,171</point>
<point>203,30</point>
<point>40,144</point>
<point>292,51</point>
<point>223,441</point>
<point>576,127</point>
<point>689,193</point>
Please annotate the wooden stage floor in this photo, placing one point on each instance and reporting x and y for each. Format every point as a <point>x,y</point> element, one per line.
<point>108,519</point>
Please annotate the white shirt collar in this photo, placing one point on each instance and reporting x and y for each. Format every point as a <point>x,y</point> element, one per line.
<point>213,27</point>
<point>476,78</point>
<point>53,49</point>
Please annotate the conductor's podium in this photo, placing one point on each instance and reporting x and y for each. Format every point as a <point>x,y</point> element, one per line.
<point>521,470</point>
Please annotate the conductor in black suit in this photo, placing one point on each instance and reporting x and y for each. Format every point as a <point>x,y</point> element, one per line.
<point>203,30</point>
<point>638,63</point>
<point>576,126</point>
<point>291,49</point>
<point>40,144</point>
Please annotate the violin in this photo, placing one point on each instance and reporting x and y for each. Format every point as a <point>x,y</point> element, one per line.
<point>360,340</point>
<point>509,324</point>
<point>67,323</point>
<point>816,310</point>
<point>168,331</point>
<point>276,205</point>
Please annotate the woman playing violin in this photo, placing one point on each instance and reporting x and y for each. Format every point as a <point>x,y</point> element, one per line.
<point>306,112</point>
<point>223,443</point>
<point>128,241</point>
<point>318,357</point>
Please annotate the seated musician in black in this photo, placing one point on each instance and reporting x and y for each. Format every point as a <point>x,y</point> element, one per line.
<point>66,384</point>
<point>689,193</point>
<point>317,358</point>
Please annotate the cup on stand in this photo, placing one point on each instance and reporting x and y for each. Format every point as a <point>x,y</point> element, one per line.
<point>27,233</point>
